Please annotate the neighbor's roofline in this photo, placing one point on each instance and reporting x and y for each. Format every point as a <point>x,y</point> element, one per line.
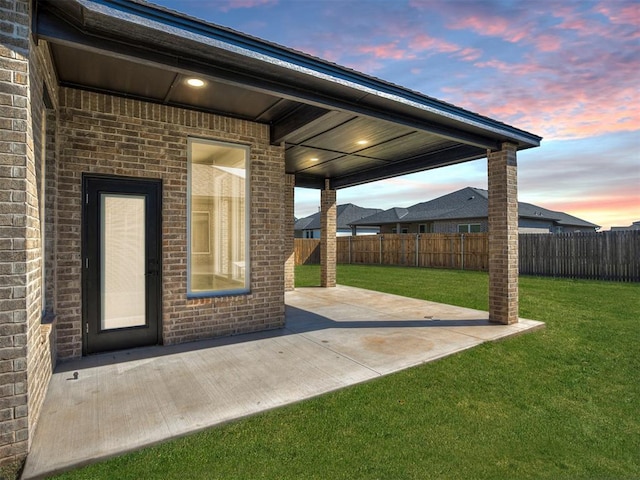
<point>239,43</point>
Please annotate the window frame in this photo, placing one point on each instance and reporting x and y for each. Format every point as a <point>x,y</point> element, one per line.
<point>246,289</point>
<point>468,227</point>
<point>426,228</point>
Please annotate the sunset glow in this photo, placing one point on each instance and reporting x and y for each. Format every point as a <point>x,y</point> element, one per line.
<point>565,70</point>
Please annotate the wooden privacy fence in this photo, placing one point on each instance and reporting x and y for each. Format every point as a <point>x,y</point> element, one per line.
<point>599,256</point>
<point>460,251</point>
<point>468,251</point>
<point>307,251</point>
<point>603,256</point>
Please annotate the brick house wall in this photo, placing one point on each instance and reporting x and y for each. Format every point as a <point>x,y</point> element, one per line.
<point>16,157</point>
<point>102,134</point>
<point>27,343</point>
<point>49,137</point>
<point>41,194</point>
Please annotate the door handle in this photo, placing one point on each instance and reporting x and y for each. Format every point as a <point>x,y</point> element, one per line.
<point>152,268</point>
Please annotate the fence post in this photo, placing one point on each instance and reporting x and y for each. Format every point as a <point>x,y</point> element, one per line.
<point>452,253</point>
<point>403,250</point>
<point>380,250</point>
<point>462,251</point>
<point>417,246</point>
<point>350,250</point>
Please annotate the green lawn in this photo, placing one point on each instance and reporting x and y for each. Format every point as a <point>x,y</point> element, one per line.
<point>560,403</point>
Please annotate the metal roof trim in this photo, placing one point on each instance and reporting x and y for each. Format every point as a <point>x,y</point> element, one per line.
<point>167,21</point>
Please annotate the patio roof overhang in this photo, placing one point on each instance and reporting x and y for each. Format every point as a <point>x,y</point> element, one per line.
<point>335,123</point>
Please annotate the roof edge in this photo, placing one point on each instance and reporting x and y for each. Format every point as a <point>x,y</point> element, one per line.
<point>249,46</point>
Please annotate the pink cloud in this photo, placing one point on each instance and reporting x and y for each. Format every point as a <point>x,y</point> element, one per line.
<point>616,208</point>
<point>548,43</point>
<point>425,42</point>
<point>620,14</point>
<point>235,4</point>
<point>469,54</point>
<point>621,22</point>
<point>386,51</point>
<point>491,26</point>
<point>557,111</point>
<point>428,45</point>
<point>518,69</point>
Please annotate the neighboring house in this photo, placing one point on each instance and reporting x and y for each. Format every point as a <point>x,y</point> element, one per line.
<point>633,226</point>
<point>148,163</point>
<point>466,211</point>
<point>309,227</point>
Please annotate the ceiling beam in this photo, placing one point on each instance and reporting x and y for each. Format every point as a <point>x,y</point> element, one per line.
<point>457,154</point>
<point>295,121</point>
<point>309,181</point>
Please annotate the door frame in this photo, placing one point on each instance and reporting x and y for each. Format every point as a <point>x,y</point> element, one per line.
<point>92,186</point>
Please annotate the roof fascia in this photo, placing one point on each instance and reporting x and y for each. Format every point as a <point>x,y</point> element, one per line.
<point>55,30</point>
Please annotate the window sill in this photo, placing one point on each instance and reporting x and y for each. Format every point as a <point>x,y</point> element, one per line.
<point>226,293</point>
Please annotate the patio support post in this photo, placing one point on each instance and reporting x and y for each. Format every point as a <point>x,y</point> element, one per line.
<point>503,234</point>
<point>328,212</point>
<point>289,243</point>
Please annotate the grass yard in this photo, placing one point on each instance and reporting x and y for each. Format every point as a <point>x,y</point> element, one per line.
<point>561,403</point>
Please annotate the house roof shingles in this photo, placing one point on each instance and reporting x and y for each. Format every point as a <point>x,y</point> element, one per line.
<point>468,202</point>
<point>346,215</point>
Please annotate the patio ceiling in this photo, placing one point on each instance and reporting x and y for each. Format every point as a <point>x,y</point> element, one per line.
<point>335,123</point>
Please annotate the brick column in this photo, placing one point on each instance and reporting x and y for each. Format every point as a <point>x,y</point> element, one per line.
<point>289,242</point>
<point>503,235</point>
<point>328,212</point>
<point>16,163</point>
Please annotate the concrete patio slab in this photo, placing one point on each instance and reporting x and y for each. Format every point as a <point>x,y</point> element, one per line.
<point>333,338</point>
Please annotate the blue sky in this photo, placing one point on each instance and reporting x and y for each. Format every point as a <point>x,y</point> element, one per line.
<point>567,70</point>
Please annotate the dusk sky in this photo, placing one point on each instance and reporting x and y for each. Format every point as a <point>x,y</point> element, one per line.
<point>566,70</point>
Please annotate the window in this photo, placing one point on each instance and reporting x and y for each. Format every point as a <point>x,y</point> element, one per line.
<point>218,241</point>
<point>469,228</point>
<point>425,228</point>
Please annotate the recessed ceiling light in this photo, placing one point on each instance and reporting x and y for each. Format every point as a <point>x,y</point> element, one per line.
<point>314,159</point>
<point>195,82</point>
<point>362,142</point>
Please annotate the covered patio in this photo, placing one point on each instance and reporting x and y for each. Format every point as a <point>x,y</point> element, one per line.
<point>333,338</point>
<point>111,97</point>
<point>338,127</point>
